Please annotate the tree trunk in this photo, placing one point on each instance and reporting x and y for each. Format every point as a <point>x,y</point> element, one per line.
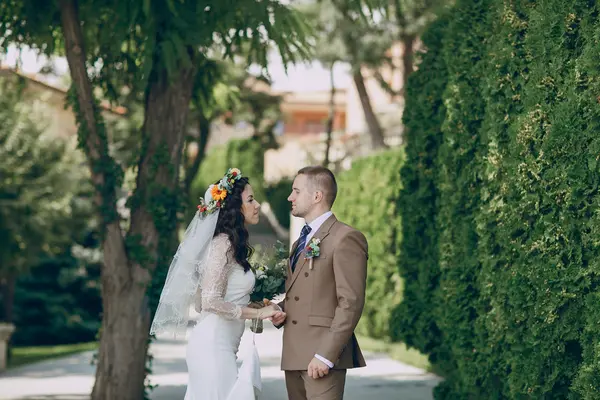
<point>330,117</point>
<point>371,119</point>
<point>192,171</point>
<point>408,42</point>
<point>125,320</point>
<point>121,365</point>
<point>115,271</point>
<point>116,280</point>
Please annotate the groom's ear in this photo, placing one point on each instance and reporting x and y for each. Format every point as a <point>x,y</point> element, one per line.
<point>319,196</point>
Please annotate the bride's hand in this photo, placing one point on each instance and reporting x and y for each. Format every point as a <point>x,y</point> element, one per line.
<point>268,312</point>
<point>260,304</point>
<point>256,305</point>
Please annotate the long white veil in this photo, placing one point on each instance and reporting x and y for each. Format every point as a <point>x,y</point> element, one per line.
<point>185,275</point>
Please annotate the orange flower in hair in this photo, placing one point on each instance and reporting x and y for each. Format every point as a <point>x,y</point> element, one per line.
<point>217,193</point>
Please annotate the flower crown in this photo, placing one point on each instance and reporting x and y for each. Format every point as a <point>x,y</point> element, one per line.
<point>219,192</point>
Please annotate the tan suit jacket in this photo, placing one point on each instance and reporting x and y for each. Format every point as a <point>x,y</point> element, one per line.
<point>323,304</point>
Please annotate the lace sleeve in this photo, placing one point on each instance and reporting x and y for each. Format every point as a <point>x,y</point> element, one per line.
<point>214,283</point>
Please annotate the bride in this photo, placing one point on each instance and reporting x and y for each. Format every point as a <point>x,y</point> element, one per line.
<point>211,272</point>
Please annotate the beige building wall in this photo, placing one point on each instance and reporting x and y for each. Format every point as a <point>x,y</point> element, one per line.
<point>285,161</point>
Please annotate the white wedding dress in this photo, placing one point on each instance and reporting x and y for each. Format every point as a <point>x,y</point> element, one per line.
<point>214,341</point>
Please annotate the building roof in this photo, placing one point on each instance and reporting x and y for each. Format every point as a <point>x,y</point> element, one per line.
<point>38,80</point>
<point>313,98</point>
<point>317,101</point>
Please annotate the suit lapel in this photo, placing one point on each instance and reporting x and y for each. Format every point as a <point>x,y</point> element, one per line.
<point>302,261</point>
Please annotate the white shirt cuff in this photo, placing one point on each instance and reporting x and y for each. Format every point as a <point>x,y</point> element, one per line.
<point>326,361</point>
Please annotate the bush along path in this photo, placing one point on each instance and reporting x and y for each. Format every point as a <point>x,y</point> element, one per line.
<point>500,255</point>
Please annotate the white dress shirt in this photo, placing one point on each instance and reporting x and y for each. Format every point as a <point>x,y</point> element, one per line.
<point>314,227</point>
<point>316,224</point>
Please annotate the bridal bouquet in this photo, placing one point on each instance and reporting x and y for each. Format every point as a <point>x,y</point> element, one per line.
<point>270,274</point>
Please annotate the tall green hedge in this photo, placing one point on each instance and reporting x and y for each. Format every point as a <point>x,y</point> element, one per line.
<point>367,198</point>
<point>412,321</point>
<point>501,251</point>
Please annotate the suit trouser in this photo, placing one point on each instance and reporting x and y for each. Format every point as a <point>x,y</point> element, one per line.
<point>300,386</point>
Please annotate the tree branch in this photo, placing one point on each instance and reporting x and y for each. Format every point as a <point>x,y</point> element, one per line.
<point>105,173</point>
<point>384,85</point>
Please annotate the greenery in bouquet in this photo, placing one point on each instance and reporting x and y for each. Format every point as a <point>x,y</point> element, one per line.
<point>271,272</point>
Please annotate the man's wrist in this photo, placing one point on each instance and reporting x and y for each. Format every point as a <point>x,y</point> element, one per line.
<point>324,360</point>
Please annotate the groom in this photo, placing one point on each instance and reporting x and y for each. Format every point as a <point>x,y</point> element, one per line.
<point>325,295</point>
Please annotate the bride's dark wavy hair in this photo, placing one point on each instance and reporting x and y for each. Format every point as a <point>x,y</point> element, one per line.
<point>231,222</point>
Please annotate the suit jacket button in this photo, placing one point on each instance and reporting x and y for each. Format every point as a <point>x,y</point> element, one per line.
<point>296,298</point>
<point>294,322</point>
<point>306,274</point>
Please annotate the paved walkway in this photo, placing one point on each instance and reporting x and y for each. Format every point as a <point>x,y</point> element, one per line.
<point>72,378</point>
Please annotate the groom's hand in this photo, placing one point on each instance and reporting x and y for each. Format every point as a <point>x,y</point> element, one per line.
<point>278,318</point>
<point>317,368</point>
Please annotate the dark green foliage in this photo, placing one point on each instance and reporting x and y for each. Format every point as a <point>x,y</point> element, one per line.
<point>43,191</point>
<point>212,169</point>
<point>245,154</point>
<point>249,156</point>
<point>48,244</point>
<point>500,256</point>
<point>58,303</point>
<point>423,117</point>
<point>35,198</point>
<point>277,194</point>
<point>367,200</point>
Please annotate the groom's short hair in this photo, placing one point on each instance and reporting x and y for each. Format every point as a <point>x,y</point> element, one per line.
<point>323,179</point>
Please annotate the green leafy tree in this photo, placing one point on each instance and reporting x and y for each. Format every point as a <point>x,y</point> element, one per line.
<point>214,95</point>
<point>152,50</point>
<point>354,33</point>
<point>40,182</point>
<point>58,301</point>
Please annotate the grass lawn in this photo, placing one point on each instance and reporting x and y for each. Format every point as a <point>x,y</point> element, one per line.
<point>28,355</point>
<point>397,351</point>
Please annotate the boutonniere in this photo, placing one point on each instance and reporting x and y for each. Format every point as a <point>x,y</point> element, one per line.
<point>312,250</point>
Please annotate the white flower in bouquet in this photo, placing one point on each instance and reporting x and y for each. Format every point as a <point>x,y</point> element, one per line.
<point>260,274</point>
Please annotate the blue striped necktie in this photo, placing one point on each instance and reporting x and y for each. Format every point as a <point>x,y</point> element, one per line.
<point>301,244</point>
